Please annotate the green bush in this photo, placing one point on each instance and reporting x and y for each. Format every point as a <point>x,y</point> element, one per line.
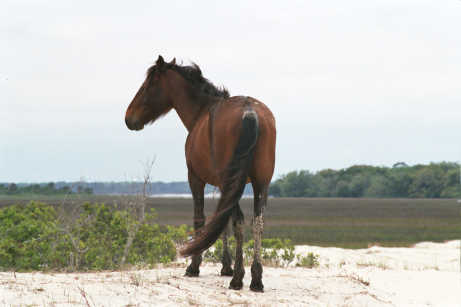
<point>309,261</point>
<point>214,254</point>
<point>26,233</point>
<point>33,238</point>
<point>275,252</point>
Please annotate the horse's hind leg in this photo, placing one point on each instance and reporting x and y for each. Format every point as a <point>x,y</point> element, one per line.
<point>260,199</point>
<point>226,256</point>
<point>239,271</point>
<point>197,187</point>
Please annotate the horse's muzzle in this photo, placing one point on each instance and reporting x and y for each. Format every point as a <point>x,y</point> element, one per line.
<point>133,124</point>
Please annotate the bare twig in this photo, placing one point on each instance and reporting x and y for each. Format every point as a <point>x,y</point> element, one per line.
<point>83,293</point>
<point>68,222</point>
<point>140,202</point>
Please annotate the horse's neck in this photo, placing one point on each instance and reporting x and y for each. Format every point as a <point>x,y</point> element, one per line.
<point>189,111</point>
<point>188,102</point>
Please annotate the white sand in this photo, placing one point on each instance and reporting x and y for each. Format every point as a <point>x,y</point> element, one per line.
<point>425,275</point>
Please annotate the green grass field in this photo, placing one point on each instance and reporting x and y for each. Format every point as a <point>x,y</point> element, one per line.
<point>340,222</point>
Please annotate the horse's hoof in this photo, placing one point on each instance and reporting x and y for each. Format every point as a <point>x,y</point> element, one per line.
<point>257,286</point>
<point>227,271</point>
<point>236,285</point>
<point>192,273</point>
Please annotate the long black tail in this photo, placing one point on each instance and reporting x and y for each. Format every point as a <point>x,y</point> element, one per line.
<point>234,181</point>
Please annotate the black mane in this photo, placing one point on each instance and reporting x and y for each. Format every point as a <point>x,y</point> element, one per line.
<point>193,74</point>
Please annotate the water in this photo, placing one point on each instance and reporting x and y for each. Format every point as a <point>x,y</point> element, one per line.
<point>188,195</point>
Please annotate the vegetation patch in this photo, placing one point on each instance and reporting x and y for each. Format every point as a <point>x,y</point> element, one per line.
<point>43,189</point>
<point>435,180</point>
<point>36,237</point>
<point>311,260</point>
<point>337,222</point>
<point>274,252</point>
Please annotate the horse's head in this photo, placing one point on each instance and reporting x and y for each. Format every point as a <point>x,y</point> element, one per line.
<point>152,100</point>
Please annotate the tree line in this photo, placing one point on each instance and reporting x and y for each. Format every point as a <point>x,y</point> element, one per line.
<point>42,189</point>
<point>435,180</point>
<point>105,188</point>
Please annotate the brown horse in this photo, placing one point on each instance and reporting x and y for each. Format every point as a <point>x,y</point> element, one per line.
<point>231,142</point>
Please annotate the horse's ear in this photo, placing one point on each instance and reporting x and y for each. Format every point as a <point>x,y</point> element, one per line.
<point>160,61</point>
<point>173,62</point>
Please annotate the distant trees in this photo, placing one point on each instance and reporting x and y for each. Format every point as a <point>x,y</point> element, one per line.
<point>110,188</point>
<point>436,180</point>
<point>41,189</point>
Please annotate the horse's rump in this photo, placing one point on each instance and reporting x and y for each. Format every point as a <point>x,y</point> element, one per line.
<point>232,179</point>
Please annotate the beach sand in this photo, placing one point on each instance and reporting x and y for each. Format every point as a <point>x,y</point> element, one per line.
<point>427,274</point>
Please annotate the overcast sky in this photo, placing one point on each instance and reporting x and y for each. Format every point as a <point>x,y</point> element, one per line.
<point>349,82</point>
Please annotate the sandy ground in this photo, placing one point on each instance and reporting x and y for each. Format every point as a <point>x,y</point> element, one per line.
<point>426,275</point>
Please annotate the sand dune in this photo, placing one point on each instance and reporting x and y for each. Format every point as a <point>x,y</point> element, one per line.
<point>427,274</point>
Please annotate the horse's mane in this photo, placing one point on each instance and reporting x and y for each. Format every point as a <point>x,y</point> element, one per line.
<point>193,74</point>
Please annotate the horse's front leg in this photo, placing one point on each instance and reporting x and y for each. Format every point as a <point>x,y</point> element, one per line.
<point>226,256</point>
<point>197,187</point>
<point>260,200</point>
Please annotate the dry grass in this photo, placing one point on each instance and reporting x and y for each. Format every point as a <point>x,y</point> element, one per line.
<point>381,265</point>
<point>356,278</point>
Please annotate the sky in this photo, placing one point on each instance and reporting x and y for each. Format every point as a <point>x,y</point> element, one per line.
<point>349,82</point>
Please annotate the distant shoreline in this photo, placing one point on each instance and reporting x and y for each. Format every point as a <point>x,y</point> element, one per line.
<point>188,195</point>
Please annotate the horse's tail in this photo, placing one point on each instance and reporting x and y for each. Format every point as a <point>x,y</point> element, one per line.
<point>234,180</point>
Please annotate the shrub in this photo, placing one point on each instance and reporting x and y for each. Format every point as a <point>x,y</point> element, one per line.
<point>274,252</point>
<point>25,236</point>
<point>309,261</point>
<point>32,237</point>
<point>214,254</point>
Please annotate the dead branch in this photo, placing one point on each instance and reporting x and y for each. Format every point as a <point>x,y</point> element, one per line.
<point>140,203</point>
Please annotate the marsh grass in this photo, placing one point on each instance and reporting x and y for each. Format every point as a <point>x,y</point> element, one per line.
<point>340,222</point>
